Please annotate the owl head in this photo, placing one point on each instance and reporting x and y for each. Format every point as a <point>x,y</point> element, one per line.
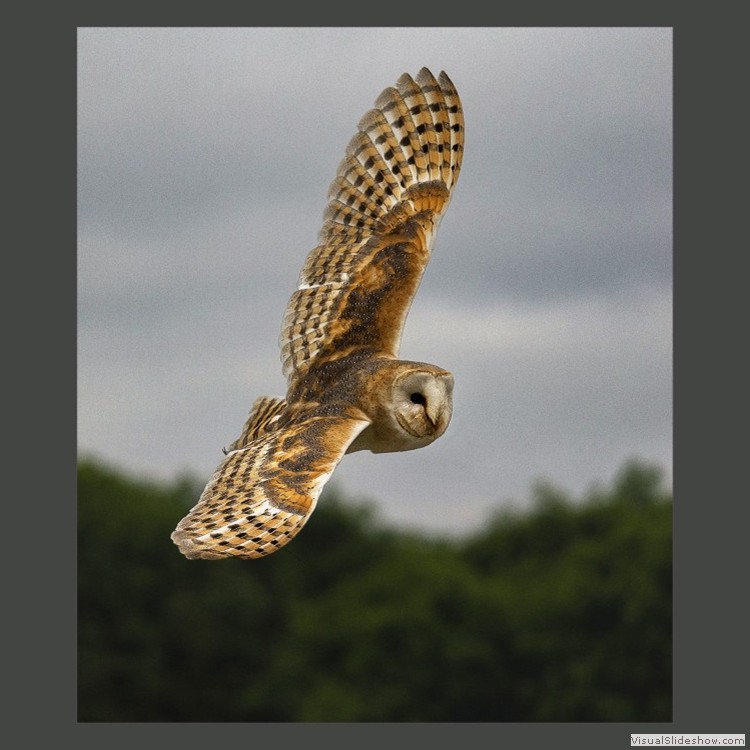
<point>410,408</point>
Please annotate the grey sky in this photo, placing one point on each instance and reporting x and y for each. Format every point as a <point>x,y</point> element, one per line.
<point>204,158</point>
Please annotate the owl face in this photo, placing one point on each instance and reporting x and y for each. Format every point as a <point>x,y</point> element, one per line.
<point>423,403</point>
<point>412,408</point>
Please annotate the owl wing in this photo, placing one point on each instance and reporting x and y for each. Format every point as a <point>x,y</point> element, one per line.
<point>391,190</point>
<point>262,494</point>
<point>264,418</point>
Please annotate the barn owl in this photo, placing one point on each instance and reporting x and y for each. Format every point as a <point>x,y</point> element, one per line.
<point>346,388</point>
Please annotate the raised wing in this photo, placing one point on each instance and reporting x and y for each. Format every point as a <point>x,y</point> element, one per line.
<point>392,188</point>
<point>261,495</point>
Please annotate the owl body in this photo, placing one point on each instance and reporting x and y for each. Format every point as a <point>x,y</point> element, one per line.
<point>347,389</point>
<point>408,405</point>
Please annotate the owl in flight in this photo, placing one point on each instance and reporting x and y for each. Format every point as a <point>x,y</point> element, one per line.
<point>346,388</point>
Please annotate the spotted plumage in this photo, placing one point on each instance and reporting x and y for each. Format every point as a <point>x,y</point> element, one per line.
<point>346,388</point>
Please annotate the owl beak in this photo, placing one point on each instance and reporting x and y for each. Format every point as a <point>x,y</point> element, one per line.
<point>433,413</point>
<point>438,407</point>
<point>438,412</point>
<point>439,418</point>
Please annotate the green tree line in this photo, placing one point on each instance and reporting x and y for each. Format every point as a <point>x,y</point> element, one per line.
<point>559,613</point>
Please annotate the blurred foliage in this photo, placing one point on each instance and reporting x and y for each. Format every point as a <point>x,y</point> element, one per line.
<point>560,613</point>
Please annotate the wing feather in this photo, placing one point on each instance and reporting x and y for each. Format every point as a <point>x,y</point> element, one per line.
<point>261,495</point>
<point>384,206</point>
<point>264,417</point>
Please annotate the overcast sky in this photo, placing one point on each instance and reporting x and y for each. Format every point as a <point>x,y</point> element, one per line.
<point>204,159</point>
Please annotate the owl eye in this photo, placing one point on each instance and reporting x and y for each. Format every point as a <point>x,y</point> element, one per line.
<point>418,398</point>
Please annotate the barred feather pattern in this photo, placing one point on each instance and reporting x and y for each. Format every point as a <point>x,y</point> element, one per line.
<point>264,418</point>
<point>261,495</point>
<point>390,192</point>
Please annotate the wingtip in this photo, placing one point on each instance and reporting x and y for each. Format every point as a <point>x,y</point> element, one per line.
<point>184,544</point>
